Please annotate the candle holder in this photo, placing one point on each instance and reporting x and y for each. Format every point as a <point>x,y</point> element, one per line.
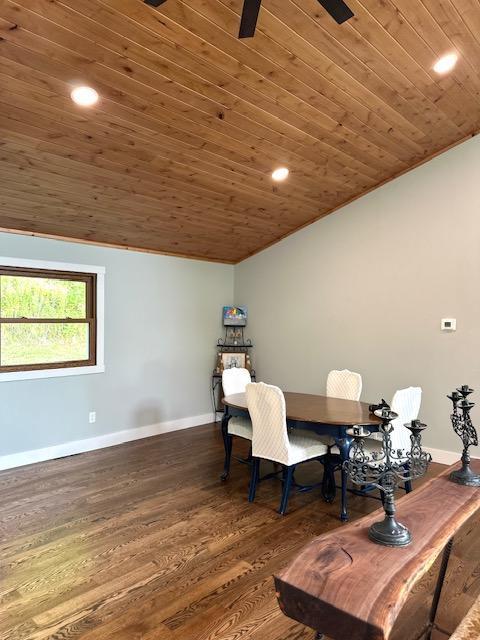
<point>386,469</point>
<point>463,427</point>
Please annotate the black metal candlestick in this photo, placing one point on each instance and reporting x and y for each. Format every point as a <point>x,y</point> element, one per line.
<point>386,469</point>
<point>463,427</point>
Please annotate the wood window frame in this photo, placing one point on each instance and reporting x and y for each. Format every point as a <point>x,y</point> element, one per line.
<point>94,317</point>
<point>90,280</point>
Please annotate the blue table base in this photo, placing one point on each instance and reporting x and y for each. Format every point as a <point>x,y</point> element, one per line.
<point>339,435</point>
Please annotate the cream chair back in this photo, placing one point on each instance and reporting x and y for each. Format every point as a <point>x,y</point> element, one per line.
<point>406,402</point>
<point>266,406</point>
<point>344,384</point>
<point>235,380</point>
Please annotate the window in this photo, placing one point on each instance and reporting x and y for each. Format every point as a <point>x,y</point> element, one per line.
<point>48,320</point>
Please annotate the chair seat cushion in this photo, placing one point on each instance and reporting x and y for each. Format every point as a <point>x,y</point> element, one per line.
<point>241,427</point>
<point>305,445</point>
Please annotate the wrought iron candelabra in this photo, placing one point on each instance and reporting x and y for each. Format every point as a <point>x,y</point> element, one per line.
<point>387,469</point>
<point>463,427</point>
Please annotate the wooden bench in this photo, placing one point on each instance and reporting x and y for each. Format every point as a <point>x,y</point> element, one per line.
<point>469,628</point>
<point>347,587</point>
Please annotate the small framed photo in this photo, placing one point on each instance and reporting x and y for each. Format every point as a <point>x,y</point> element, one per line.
<point>234,334</point>
<point>234,316</point>
<point>230,360</point>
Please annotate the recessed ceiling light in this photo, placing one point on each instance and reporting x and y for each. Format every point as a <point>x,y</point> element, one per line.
<point>280,174</point>
<point>445,63</point>
<point>84,96</point>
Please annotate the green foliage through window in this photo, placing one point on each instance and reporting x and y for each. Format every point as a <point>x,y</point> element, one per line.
<point>26,344</point>
<point>24,297</point>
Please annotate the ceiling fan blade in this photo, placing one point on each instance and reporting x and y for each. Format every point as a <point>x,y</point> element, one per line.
<point>339,11</point>
<point>248,23</point>
<point>154,3</point>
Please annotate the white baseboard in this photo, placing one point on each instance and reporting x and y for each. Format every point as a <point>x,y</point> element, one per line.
<point>127,435</point>
<point>100,442</point>
<point>443,457</point>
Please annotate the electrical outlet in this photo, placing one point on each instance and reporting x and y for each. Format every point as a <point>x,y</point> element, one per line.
<point>92,417</point>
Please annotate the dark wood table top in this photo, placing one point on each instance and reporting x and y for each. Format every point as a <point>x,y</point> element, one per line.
<point>317,409</point>
<point>346,586</point>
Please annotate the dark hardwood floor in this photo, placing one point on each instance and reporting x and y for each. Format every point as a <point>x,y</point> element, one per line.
<point>143,541</point>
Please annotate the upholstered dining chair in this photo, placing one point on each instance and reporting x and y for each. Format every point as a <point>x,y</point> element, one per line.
<point>405,402</point>
<point>235,380</point>
<point>272,441</point>
<point>344,384</point>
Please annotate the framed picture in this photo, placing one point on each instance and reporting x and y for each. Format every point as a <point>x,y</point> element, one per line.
<point>234,316</point>
<point>234,333</point>
<point>230,360</point>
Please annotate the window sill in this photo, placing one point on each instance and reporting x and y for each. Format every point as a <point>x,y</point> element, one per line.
<point>10,376</point>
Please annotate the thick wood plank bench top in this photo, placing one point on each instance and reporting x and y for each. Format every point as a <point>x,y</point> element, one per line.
<point>348,587</point>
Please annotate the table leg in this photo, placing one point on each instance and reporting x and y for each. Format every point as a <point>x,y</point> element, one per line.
<point>344,446</point>
<point>329,488</point>
<point>438,589</point>
<point>227,443</point>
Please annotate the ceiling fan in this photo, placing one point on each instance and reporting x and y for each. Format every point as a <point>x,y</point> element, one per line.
<point>338,9</point>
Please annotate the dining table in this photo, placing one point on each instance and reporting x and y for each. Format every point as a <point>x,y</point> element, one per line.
<point>324,415</point>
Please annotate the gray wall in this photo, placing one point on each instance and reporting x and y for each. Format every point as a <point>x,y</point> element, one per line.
<point>162,320</point>
<point>366,287</point>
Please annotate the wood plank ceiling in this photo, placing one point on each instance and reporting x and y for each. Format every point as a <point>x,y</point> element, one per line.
<point>176,157</point>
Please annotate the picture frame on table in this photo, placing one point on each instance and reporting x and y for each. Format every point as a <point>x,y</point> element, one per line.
<point>233,359</point>
<point>234,333</point>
